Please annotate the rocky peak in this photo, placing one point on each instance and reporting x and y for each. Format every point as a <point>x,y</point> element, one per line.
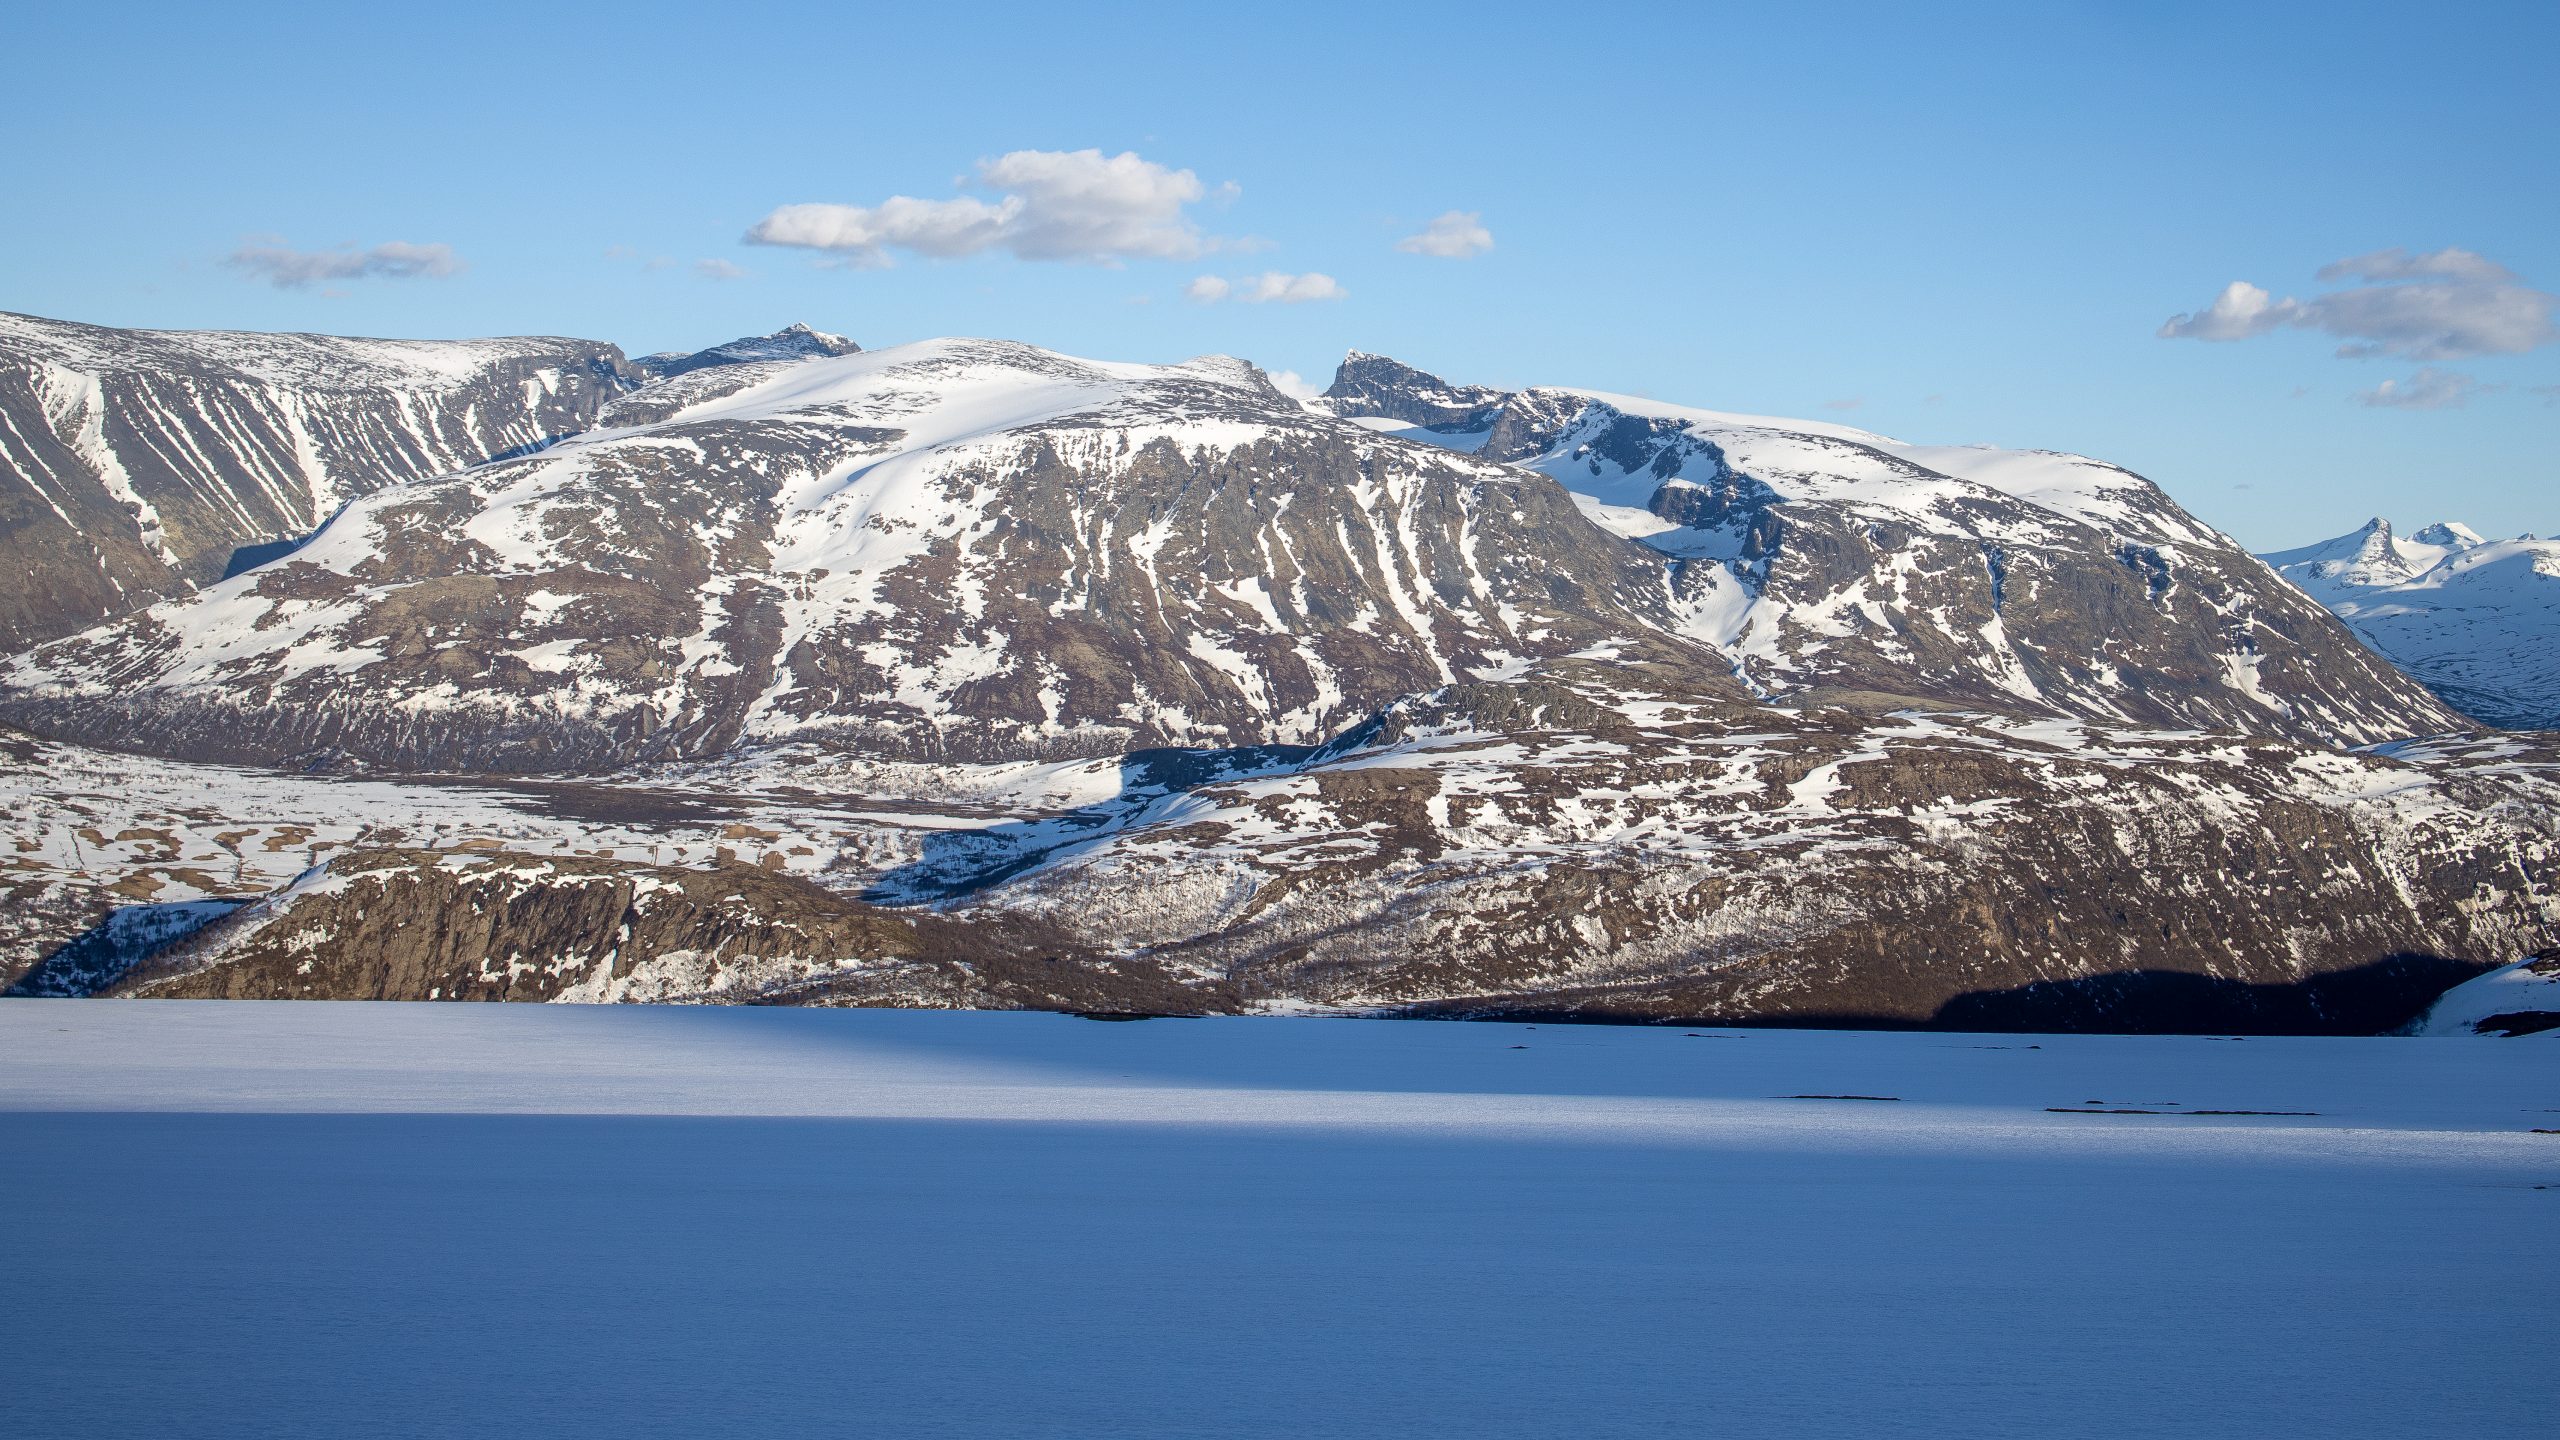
<point>1374,385</point>
<point>792,342</point>
<point>2376,545</point>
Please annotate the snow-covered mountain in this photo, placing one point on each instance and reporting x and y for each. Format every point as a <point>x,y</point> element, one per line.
<point>1149,676</point>
<point>2478,620</point>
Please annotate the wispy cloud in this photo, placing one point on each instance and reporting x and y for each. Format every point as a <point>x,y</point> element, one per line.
<point>1851,403</point>
<point>2442,305</point>
<point>286,268</point>
<point>716,269</point>
<point>1073,205</point>
<point>2398,263</point>
<point>2429,389</point>
<point>1455,235</point>
<point>1271,287</point>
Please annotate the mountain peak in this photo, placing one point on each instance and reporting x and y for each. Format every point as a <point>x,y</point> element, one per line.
<point>1387,388</point>
<point>796,341</point>
<point>2451,534</point>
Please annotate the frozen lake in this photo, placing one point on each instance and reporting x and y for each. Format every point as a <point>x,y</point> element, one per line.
<point>343,1220</point>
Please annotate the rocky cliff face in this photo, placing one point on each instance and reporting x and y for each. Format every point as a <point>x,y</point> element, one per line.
<point>134,463</point>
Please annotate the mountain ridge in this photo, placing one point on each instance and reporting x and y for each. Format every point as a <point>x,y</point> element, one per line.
<point>1577,704</point>
<point>134,463</point>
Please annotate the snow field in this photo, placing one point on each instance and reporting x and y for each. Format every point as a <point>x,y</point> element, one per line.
<point>426,1221</point>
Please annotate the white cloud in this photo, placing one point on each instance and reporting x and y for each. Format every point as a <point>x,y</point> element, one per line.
<point>287,268</point>
<point>1271,287</point>
<point>1295,385</point>
<point>2445,305</point>
<point>1076,205</point>
<point>716,269</point>
<point>1456,235</point>
<point>2240,311</point>
<point>2429,389</point>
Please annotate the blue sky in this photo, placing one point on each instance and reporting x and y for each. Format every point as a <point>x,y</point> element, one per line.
<point>1946,223</point>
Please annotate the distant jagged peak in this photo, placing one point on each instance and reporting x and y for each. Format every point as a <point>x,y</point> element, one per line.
<point>1380,387</point>
<point>797,341</point>
<point>2378,545</point>
<point>2376,554</point>
<point>2368,555</point>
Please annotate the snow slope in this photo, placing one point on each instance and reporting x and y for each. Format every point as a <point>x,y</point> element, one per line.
<point>2518,999</point>
<point>640,1222</point>
<point>2477,620</point>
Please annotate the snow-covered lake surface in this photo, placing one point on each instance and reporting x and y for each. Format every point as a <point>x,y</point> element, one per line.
<point>343,1220</point>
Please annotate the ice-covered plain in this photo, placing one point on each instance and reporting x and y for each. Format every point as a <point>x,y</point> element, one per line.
<point>239,1219</point>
